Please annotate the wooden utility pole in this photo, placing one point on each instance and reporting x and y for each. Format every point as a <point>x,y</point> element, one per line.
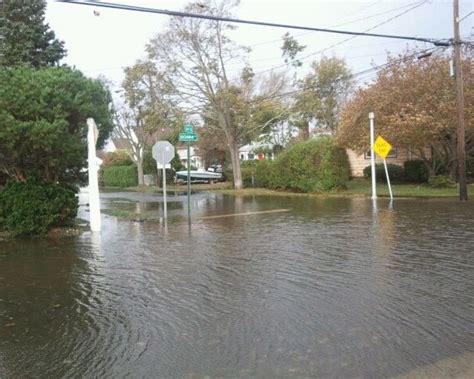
<point>461,143</point>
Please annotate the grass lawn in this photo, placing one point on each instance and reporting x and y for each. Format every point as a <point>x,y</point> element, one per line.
<point>363,187</point>
<point>356,187</point>
<point>181,187</point>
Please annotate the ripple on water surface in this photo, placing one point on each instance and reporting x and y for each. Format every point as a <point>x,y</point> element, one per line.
<point>331,288</point>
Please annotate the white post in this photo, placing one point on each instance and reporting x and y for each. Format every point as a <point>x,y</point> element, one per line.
<point>388,179</point>
<point>165,209</point>
<point>372,154</point>
<point>94,202</point>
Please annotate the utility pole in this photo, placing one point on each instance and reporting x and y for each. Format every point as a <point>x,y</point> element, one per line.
<point>461,143</point>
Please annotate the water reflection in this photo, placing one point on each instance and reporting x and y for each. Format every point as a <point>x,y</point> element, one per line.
<point>329,289</point>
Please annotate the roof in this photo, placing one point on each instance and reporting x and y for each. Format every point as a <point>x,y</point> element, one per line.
<point>121,143</point>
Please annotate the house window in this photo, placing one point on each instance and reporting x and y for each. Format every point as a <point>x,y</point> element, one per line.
<point>393,153</point>
<point>242,157</point>
<point>251,156</point>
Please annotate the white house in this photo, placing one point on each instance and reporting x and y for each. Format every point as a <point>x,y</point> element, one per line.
<point>256,151</point>
<point>196,160</point>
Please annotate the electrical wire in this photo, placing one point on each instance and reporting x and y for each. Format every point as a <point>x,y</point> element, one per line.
<point>347,39</point>
<point>341,24</point>
<point>352,76</point>
<point>436,42</point>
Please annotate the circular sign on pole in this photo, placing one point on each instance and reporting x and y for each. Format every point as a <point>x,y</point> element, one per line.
<point>163,152</point>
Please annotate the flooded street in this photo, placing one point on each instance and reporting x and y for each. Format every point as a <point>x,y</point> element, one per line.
<point>321,288</point>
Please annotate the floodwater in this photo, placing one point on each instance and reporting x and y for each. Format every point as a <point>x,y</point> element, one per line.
<point>327,288</point>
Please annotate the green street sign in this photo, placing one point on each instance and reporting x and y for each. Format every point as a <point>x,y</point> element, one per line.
<point>188,129</point>
<point>185,137</point>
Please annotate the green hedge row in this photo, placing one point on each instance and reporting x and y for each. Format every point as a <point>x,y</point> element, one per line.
<point>413,171</point>
<point>34,207</point>
<point>316,165</point>
<point>395,172</point>
<point>120,176</point>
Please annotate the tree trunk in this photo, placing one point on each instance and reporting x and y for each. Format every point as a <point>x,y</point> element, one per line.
<point>304,131</point>
<point>141,177</point>
<point>234,157</point>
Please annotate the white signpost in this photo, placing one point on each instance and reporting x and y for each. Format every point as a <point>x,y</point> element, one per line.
<point>163,153</point>
<point>372,155</point>
<point>94,203</point>
<point>382,148</point>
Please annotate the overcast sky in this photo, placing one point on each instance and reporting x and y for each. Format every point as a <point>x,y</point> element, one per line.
<point>104,44</point>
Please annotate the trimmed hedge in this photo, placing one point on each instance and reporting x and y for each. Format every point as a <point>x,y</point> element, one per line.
<point>396,173</point>
<point>113,159</point>
<point>116,158</point>
<point>34,207</point>
<point>316,165</point>
<point>415,171</point>
<point>120,176</point>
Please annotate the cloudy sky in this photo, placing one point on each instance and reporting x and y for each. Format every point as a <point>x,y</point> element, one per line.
<point>103,41</point>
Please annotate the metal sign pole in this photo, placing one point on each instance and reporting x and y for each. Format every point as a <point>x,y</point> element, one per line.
<point>189,182</point>
<point>163,152</point>
<point>165,205</point>
<point>372,154</point>
<point>388,179</point>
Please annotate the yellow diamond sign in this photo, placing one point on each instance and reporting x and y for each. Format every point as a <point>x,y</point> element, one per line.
<point>382,147</point>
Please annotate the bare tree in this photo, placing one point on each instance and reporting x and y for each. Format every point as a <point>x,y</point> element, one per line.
<point>196,53</point>
<point>148,112</point>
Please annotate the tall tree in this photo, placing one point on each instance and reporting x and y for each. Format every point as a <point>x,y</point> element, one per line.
<point>290,50</point>
<point>322,94</point>
<point>43,127</point>
<point>24,36</point>
<point>148,114</point>
<point>211,146</point>
<point>414,105</point>
<point>196,54</point>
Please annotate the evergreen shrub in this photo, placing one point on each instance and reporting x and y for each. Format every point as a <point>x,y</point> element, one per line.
<point>415,171</point>
<point>470,166</point>
<point>396,173</point>
<point>120,176</point>
<point>34,207</point>
<point>316,165</point>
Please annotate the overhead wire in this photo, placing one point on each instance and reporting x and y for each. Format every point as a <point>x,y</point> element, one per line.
<point>346,39</point>
<point>436,42</point>
<point>339,24</point>
<point>352,76</point>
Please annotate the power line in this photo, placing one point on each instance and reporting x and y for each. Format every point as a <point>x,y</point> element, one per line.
<point>351,76</point>
<point>436,42</point>
<point>346,39</point>
<point>343,23</point>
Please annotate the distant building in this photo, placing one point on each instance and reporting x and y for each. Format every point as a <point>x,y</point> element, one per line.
<point>256,151</point>
<point>114,144</point>
<point>398,156</point>
<point>196,160</point>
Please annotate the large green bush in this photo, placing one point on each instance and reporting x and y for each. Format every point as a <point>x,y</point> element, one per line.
<point>316,165</point>
<point>43,115</point>
<point>415,171</point>
<point>34,207</point>
<point>120,176</point>
<point>248,171</point>
<point>395,173</point>
<point>112,159</point>
<point>256,173</point>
